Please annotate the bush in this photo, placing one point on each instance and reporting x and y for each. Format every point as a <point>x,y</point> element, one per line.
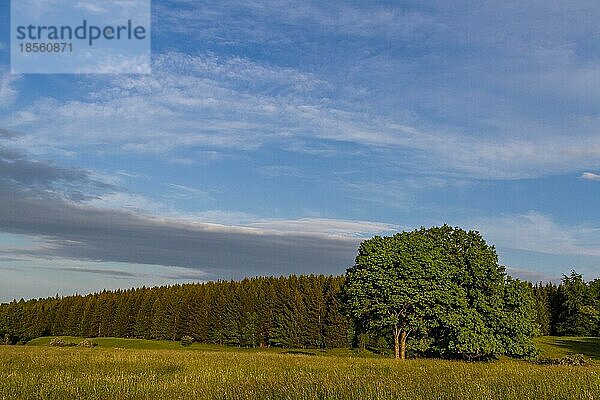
<point>187,340</point>
<point>571,359</point>
<point>58,342</point>
<point>382,345</point>
<point>6,340</point>
<point>87,343</point>
<point>363,341</point>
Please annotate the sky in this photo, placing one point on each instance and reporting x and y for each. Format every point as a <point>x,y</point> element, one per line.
<point>273,137</point>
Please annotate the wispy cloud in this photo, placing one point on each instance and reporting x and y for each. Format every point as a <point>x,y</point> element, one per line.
<point>204,102</point>
<point>128,201</point>
<point>186,192</point>
<point>537,232</point>
<point>208,103</point>
<point>590,176</point>
<point>7,91</point>
<point>327,227</point>
<point>90,7</point>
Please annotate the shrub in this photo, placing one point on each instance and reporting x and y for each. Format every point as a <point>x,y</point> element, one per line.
<point>58,342</point>
<point>87,343</point>
<point>363,341</point>
<point>382,345</point>
<point>571,359</point>
<point>187,340</point>
<point>6,340</point>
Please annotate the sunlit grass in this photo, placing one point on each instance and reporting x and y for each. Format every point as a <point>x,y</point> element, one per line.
<point>39,372</point>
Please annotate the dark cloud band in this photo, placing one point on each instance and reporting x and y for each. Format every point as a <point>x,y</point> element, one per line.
<point>44,200</point>
<point>83,232</point>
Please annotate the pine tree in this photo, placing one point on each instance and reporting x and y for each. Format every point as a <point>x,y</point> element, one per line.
<point>336,325</point>
<point>579,317</point>
<point>543,309</point>
<point>143,319</point>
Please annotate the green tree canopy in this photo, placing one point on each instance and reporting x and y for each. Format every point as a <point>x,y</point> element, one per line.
<point>443,288</point>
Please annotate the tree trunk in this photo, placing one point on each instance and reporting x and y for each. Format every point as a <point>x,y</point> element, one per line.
<point>403,337</point>
<point>400,343</point>
<point>396,342</point>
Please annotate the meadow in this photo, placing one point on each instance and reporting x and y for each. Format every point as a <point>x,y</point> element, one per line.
<point>140,369</point>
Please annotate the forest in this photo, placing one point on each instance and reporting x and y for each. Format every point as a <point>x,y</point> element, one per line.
<point>294,311</point>
<point>291,312</point>
<point>571,308</point>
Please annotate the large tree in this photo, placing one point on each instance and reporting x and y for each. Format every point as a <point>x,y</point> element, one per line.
<point>393,286</point>
<point>443,288</point>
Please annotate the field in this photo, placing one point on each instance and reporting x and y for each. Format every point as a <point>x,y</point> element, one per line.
<point>560,346</point>
<point>138,369</point>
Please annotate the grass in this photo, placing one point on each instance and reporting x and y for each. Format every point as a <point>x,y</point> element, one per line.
<point>556,347</point>
<point>133,369</point>
<point>112,343</point>
<point>142,344</point>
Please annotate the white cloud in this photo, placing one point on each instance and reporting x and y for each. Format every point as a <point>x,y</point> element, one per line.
<point>202,102</point>
<point>111,62</point>
<point>186,192</point>
<point>327,227</point>
<point>7,92</point>
<point>207,101</point>
<point>129,201</point>
<point>91,7</point>
<point>240,221</point>
<point>236,220</point>
<point>590,176</point>
<point>539,233</point>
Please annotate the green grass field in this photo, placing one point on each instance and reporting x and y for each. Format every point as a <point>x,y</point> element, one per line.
<point>555,347</point>
<point>139,369</point>
<point>141,344</point>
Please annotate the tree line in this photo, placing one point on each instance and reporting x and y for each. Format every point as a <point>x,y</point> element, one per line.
<point>571,308</point>
<point>294,311</point>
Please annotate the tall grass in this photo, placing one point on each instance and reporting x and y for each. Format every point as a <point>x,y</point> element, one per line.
<point>35,372</point>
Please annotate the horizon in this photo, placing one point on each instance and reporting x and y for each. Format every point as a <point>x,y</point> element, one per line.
<point>271,139</point>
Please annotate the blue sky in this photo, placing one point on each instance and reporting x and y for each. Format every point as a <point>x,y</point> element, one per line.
<point>271,137</point>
